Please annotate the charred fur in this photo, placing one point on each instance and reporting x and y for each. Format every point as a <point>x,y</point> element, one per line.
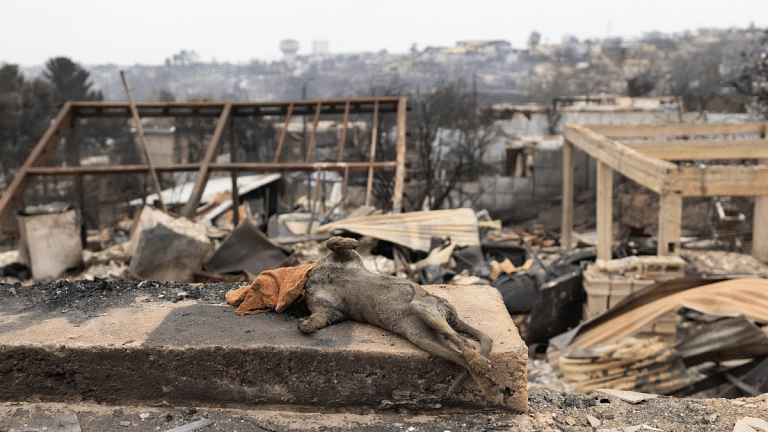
<point>340,288</point>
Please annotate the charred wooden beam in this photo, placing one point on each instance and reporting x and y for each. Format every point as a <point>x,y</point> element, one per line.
<point>73,110</point>
<point>236,167</point>
<point>239,109</point>
<point>190,208</point>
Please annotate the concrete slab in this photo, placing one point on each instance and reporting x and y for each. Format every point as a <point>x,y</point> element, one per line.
<point>153,351</point>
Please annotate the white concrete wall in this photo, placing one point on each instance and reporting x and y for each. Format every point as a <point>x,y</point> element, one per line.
<point>499,193</point>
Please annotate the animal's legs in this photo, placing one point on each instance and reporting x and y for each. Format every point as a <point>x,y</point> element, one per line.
<point>485,349</point>
<point>432,343</point>
<point>434,319</point>
<point>477,364</point>
<point>320,318</point>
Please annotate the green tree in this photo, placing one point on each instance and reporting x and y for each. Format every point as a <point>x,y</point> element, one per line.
<point>25,113</point>
<point>37,109</point>
<point>10,116</point>
<point>70,81</point>
<point>11,84</point>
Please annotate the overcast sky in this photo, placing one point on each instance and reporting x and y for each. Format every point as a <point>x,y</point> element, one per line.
<point>149,31</point>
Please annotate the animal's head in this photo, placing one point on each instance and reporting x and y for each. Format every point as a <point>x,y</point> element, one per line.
<point>342,251</point>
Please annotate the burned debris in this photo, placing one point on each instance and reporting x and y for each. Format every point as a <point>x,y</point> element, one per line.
<point>653,312</point>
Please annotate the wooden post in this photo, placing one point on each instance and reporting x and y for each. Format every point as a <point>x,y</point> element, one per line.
<point>604,211</point>
<point>760,217</point>
<point>190,208</point>
<point>374,137</point>
<point>233,159</point>
<point>566,226</point>
<point>312,137</point>
<point>313,202</point>
<point>282,133</point>
<point>345,188</point>
<point>760,220</point>
<point>343,139</point>
<point>143,141</point>
<point>760,228</point>
<point>670,217</point>
<point>79,180</point>
<point>397,196</point>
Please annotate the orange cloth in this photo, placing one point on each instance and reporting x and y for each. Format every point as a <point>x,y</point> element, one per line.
<point>271,290</point>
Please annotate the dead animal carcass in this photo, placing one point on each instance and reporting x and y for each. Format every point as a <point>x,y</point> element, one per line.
<point>340,288</point>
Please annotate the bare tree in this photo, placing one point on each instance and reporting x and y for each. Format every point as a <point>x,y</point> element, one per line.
<point>446,143</point>
<point>697,78</point>
<point>533,39</point>
<point>449,141</point>
<point>752,78</point>
<point>641,84</point>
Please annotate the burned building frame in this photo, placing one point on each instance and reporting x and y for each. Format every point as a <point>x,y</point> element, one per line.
<point>675,160</point>
<point>225,112</point>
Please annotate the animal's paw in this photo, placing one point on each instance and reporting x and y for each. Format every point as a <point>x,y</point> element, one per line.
<point>307,326</point>
<point>487,384</point>
<point>478,364</point>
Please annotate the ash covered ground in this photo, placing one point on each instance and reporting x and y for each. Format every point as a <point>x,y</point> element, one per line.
<point>90,296</point>
<point>549,410</point>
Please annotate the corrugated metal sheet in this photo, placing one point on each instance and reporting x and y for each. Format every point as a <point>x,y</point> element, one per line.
<point>182,193</point>
<point>416,229</point>
<point>724,339</point>
<point>748,297</point>
<point>598,353</point>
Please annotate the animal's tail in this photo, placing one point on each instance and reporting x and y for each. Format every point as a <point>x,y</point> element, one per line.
<point>485,348</point>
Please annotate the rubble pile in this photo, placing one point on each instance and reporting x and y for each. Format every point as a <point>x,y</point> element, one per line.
<point>635,323</point>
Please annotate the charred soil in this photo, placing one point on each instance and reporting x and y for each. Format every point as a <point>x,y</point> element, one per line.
<point>548,409</point>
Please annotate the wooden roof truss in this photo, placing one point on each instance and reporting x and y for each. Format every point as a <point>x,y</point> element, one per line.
<point>651,155</point>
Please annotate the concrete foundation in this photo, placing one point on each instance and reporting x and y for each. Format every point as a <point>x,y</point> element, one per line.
<point>189,353</point>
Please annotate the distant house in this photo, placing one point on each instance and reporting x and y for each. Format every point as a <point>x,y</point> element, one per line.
<point>448,139</point>
<point>472,49</point>
<point>530,151</point>
<point>485,47</point>
<point>548,50</point>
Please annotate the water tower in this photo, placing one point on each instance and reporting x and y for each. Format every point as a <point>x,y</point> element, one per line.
<point>289,47</point>
<point>320,48</point>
